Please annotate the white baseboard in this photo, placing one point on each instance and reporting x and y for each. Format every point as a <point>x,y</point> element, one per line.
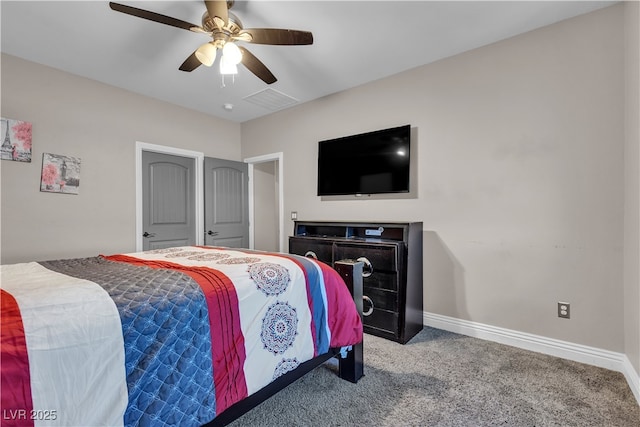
<point>579,353</point>
<point>633,378</point>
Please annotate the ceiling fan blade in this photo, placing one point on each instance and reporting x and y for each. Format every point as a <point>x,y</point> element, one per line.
<point>218,12</point>
<point>191,63</point>
<point>277,36</point>
<point>152,16</point>
<point>254,65</point>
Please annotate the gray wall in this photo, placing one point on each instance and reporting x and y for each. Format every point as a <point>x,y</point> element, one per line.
<point>520,153</point>
<point>82,118</point>
<point>632,185</point>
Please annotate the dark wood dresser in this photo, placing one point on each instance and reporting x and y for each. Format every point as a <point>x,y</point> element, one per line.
<point>392,254</point>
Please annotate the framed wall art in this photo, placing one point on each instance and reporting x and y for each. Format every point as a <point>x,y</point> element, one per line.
<point>60,174</point>
<point>16,140</point>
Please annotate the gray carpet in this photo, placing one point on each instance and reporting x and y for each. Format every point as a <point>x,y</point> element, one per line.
<point>444,379</point>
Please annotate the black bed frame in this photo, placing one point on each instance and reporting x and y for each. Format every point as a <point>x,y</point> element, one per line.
<point>349,368</point>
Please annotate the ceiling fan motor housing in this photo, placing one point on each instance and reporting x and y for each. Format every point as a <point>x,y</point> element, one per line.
<point>234,25</point>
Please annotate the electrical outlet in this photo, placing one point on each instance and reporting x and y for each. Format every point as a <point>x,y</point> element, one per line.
<point>294,215</point>
<point>564,310</point>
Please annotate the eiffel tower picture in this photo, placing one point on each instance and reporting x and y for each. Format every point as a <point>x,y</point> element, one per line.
<point>16,142</point>
<point>7,149</point>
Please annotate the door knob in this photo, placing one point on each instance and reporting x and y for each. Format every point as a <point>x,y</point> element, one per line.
<point>147,234</point>
<point>212,233</point>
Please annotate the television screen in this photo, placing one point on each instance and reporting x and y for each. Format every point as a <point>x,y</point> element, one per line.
<point>369,163</point>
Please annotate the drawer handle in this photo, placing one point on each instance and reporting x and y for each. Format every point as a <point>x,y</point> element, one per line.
<point>370,310</point>
<point>311,254</point>
<point>368,267</point>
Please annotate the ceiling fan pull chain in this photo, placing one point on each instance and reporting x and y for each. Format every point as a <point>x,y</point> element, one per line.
<point>233,79</point>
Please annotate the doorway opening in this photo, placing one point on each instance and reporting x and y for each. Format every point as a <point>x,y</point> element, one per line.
<point>266,202</point>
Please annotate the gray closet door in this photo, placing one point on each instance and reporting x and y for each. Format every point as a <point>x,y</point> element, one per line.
<point>226,203</point>
<point>168,187</point>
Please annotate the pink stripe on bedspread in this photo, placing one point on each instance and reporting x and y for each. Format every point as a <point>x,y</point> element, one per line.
<point>344,321</point>
<point>15,381</point>
<point>227,341</point>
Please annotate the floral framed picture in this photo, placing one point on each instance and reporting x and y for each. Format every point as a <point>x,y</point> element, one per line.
<point>16,140</point>
<point>60,174</point>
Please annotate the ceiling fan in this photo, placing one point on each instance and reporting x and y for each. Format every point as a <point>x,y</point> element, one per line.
<point>225,29</point>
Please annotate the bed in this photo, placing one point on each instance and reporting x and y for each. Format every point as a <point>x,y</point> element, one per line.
<point>184,336</point>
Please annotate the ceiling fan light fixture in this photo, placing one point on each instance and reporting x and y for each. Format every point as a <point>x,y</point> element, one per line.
<point>227,67</point>
<point>232,53</point>
<point>206,54</point>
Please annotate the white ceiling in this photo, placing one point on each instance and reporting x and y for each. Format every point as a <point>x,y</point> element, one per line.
<point>355,42</point>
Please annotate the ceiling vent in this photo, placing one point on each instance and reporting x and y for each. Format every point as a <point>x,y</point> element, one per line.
<point>271,99</point>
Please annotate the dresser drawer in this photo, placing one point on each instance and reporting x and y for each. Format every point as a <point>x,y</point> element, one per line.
<point>381,299</point>
<point>382,280</point>
<point>382,320</point>
<point>383,257</point>
<point>314,248</point>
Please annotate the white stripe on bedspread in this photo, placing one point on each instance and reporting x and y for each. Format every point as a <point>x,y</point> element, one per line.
<point>260,364</point>
<point>72,327</point>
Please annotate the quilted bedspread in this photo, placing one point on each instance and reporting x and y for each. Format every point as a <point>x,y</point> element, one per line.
<point>165,337</point>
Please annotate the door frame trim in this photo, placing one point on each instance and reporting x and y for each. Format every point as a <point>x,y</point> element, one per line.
<point>199,186</point>
<point>279,158</point>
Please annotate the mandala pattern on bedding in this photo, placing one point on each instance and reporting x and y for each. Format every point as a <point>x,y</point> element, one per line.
<point>183,254</point>
<point>279,327</point>
<point>208,257</point>
<point>239,260</point>
<point>272,279</point>
<point>164,250</point>
<point>285,366</point>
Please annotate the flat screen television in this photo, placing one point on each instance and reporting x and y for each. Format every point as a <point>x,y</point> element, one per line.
<point>369,163</point>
